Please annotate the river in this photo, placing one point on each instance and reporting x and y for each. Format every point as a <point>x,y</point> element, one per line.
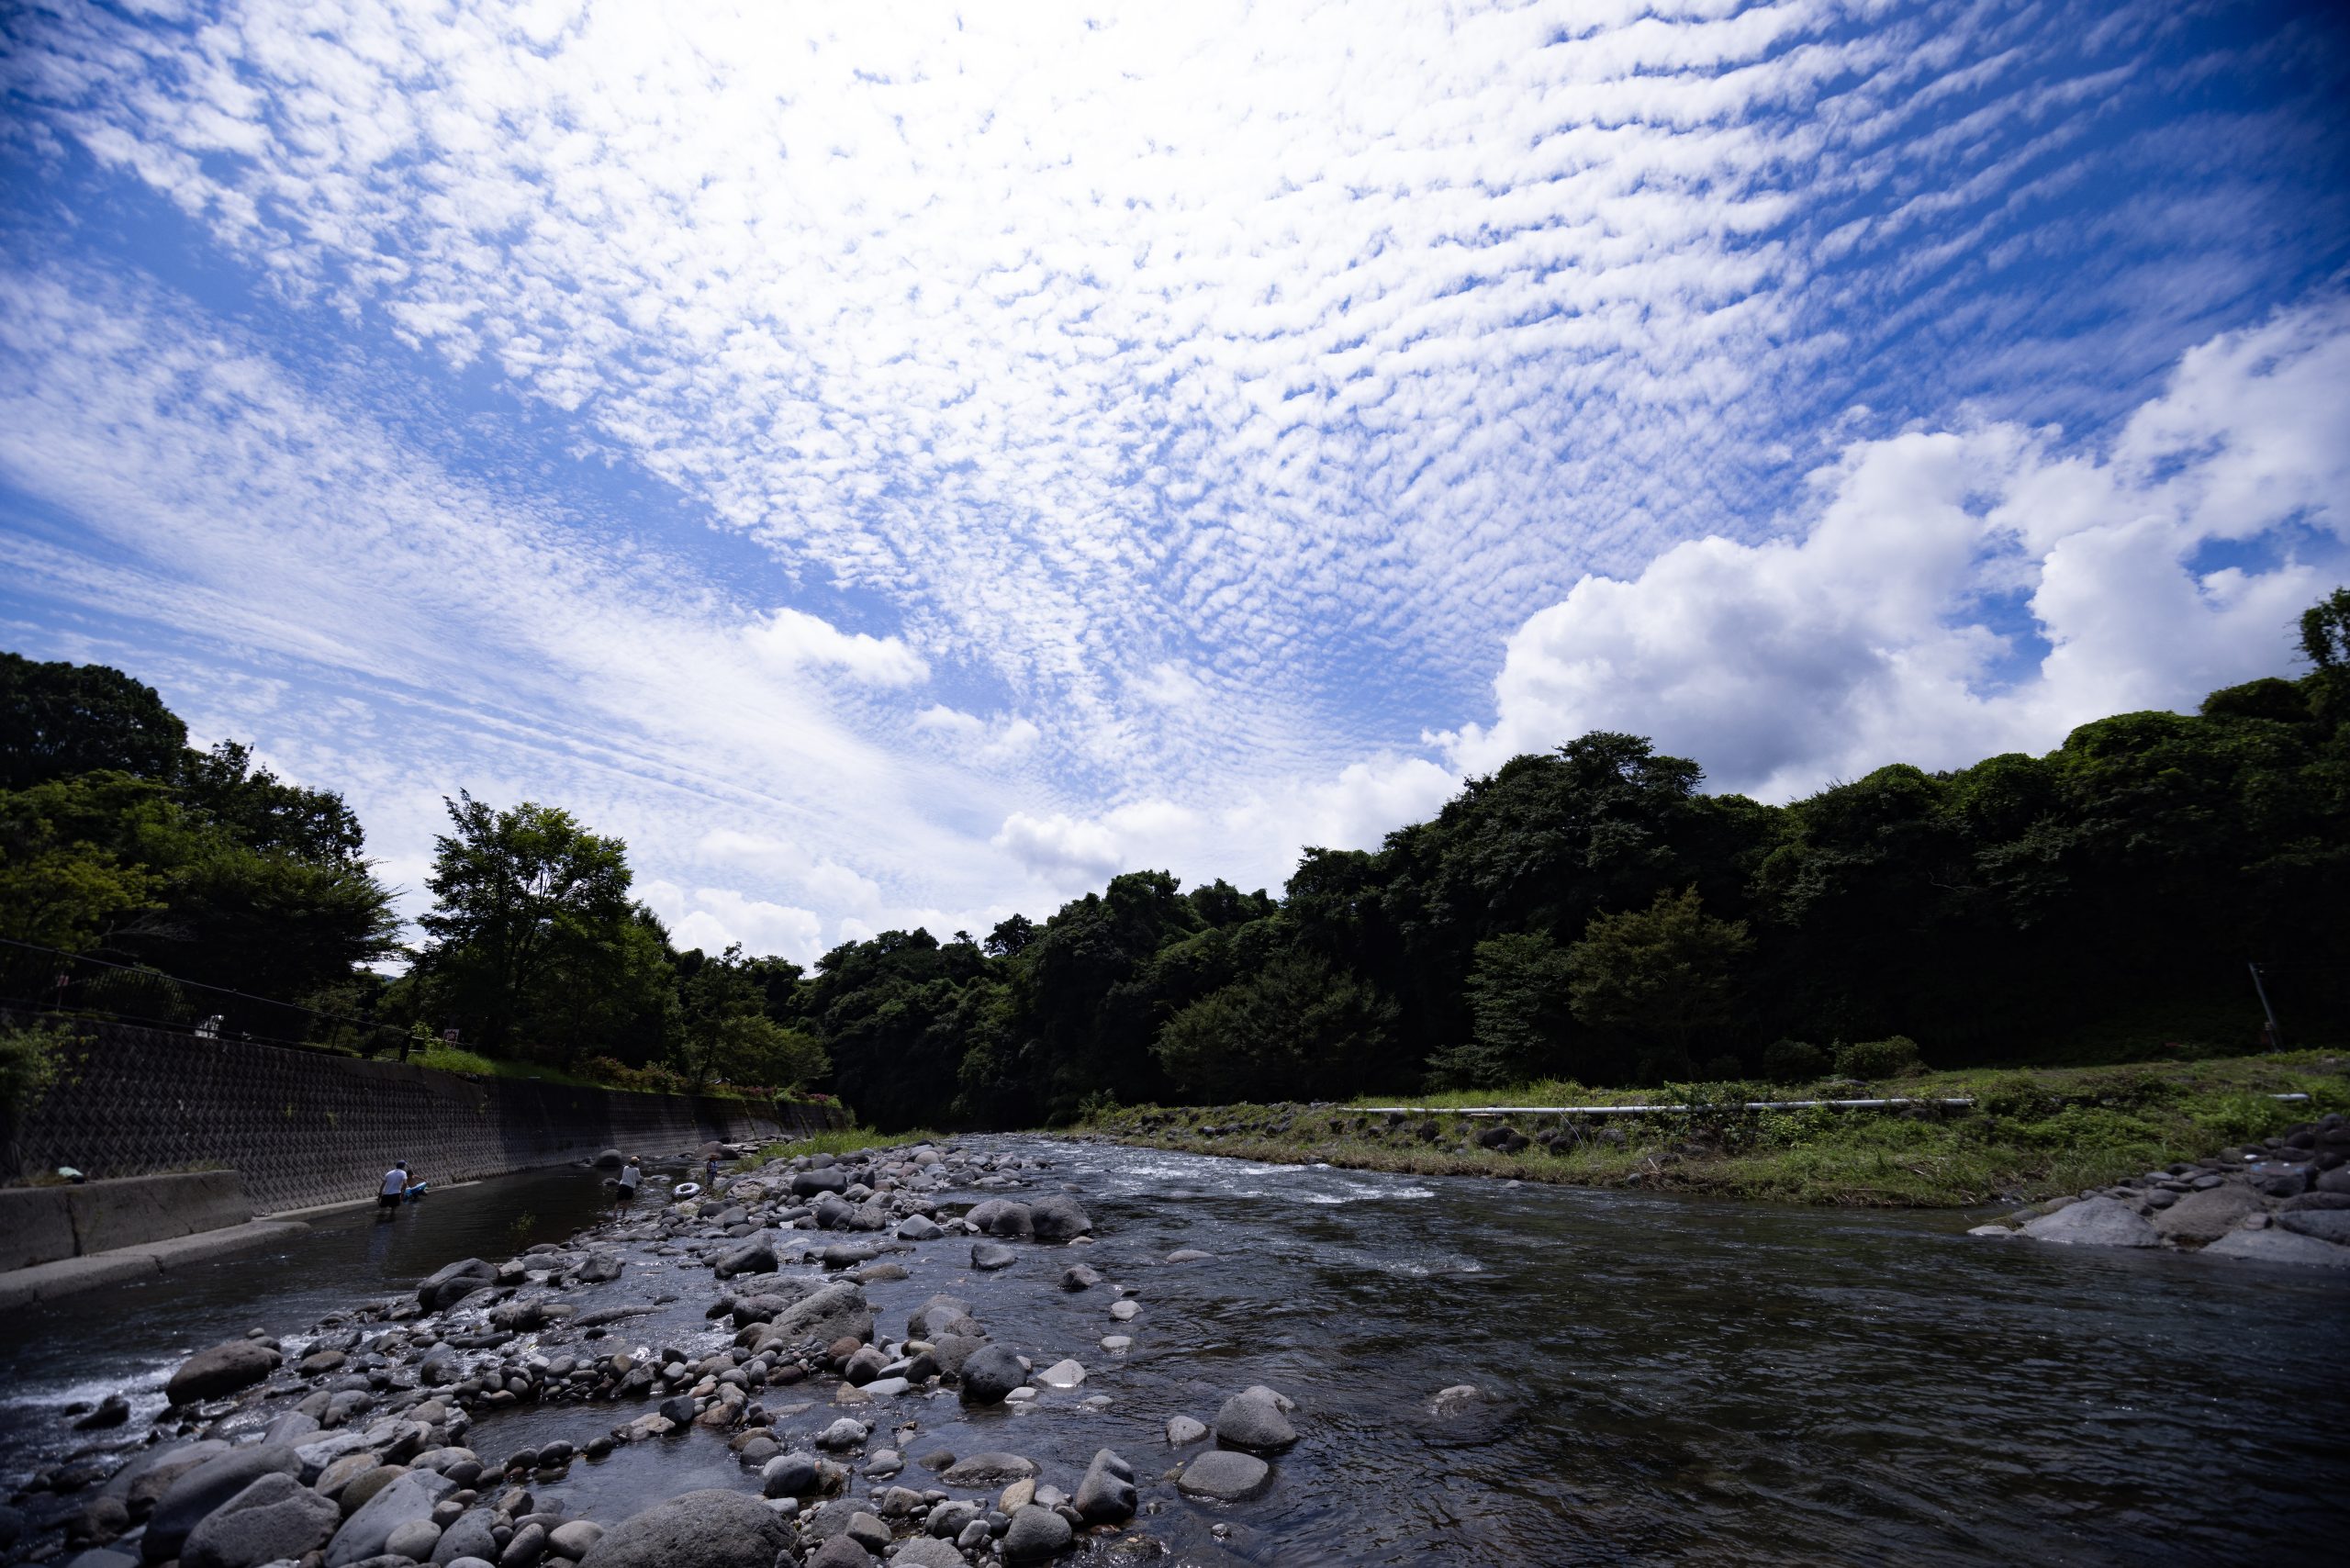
<point>1668,1378</point>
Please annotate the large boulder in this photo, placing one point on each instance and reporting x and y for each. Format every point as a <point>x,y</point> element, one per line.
<point>1056,1217</point>
<point>836,1312</point>
<point>701,1530</point>
<point>223,1368</point>
<point>366,1533</point>
<point>274,1518</point>
<point>991,1469</point>
<point>989,1374</point>
<point>204,1488</point>
<point>2095,1222</point>
<point>989,1255</point>
<point>452,1284</point>
<point>2273,1246</point>
<point>2207,1215</point>
<point>808,1183</point>
<point>610,1159</point>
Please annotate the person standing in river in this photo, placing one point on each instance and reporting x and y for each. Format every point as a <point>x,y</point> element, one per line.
<point>630,1175</point>
<point>394,1188</point>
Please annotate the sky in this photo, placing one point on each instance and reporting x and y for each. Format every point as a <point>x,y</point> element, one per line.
<point>902,466</point>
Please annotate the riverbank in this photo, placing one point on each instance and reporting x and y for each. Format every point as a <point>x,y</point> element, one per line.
<point>1012,1349</point>
<point>2023,1137</point>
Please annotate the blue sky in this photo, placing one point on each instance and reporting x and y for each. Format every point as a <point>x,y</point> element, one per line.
<point>898,466</point>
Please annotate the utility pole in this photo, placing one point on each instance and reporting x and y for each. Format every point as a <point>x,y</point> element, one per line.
<point>2276,1034</point>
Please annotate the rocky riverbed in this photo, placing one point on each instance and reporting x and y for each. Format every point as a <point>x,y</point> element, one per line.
<point>360,1448</point>
<point>1030,1350</point>
<point>2283,1200</point>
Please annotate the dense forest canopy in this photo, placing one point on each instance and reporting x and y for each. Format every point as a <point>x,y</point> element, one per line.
<point>1589,912</point>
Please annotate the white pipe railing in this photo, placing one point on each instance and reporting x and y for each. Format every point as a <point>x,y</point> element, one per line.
<point>1648,1110</point>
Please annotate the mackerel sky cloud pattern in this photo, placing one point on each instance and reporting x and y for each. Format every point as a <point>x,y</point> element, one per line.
<point>964,453</point>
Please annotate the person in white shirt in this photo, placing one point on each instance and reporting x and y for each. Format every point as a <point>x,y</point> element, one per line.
<point>395,1187</point>
<point>630,1177</point>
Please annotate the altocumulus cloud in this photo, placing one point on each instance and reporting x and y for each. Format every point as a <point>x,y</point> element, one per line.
<point>1139,436</point>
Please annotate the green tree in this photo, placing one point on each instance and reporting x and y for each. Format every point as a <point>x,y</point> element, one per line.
<point>60,720</point>
<point>1293,1028</point>
<point>1661,975</point>
<point>728,1036</point>
<point>1521,1024</point>
<point>518,895</point>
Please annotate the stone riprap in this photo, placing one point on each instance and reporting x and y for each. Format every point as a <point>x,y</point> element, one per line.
<point>2284,1200</point>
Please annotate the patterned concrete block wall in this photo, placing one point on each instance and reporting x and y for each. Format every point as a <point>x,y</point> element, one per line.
<point>305,1127</point>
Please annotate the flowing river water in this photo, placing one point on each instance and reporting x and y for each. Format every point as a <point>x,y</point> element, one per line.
<point>1666,1378</point>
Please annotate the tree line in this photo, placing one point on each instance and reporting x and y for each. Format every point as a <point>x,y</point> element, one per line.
<point>1588,913</point>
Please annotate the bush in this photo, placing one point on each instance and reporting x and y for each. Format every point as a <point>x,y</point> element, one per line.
<point>28,1067</point>
<point>1896,1057</point>
<point>1794,1061</point>
<point>446,1058</point>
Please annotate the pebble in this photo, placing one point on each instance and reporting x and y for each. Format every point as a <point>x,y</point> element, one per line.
<point>1062,1373</point>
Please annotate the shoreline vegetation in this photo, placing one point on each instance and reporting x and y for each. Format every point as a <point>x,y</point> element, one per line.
<point>2029,1134</point>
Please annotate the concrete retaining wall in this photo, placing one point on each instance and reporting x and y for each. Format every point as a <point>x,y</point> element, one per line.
<point>303,1128</point>
<point>39,1224</point>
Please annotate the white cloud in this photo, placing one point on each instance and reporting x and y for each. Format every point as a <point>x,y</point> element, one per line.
<point>795,639</point>
<point>1864,640</point>
<point>1059,848</point>
<point>713,919</point>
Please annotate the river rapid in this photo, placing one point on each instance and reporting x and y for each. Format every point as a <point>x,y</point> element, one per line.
<point>1665,1378</point>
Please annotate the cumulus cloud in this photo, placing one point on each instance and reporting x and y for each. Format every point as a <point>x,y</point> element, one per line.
<point>795,639</point>
<point>1875,634</point>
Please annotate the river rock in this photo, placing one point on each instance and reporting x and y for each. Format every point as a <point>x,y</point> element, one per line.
<point>2209,1214</point>
<point>2273,1246</point>
<point>1063,1373</point>
<point>812,1184</point>
<point>360,1490</point>
<point>836,1312</point>
<point>1106,1496</point>
<point>1002,1217</point>
<point>792,1475</point>
<point>840,1552</point>
<point>365,1533</point>
<point>1225,1475</point>
<point>1079,1277</point>
<point>1252,1419</point>
<point>223,1368</point>
<point>416,1540</point>
<point>610,1159</point>
<point>751,1257</point>
<point>1189,1255</point>
<point>529,1544</point>
<point>101,1557</point>
<point>2326,1224</point>
<point>274,1517</point>
<point>701,1530</point>
<point>204,1488</point>
<point>987,1470</point>
<point>452,1284</point>
<point>927,1552</point>
<point>1182,1429</point>
<point>574,1539</point>
<point>469,1536</point>
<point>937,1316</point>
<point>600,1267</point>
<point>988,1256</point>
<point>1035,1533</point>
<point>1056,1217</point>
<point>2096,1222</point>
<point>989,1374</point>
